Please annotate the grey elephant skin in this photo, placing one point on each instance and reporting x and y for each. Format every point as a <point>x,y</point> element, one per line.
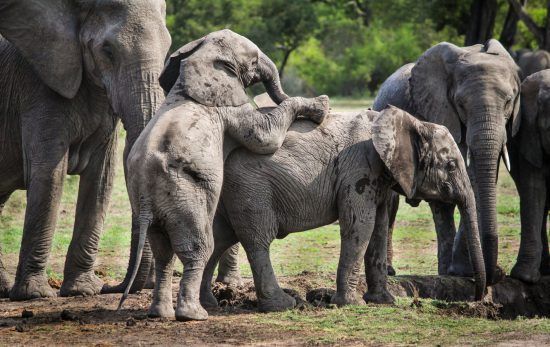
<point>341,170</point>
<point>176,166</point>
<point>532,61</point>
<point>530,158</point>
<point>474,92</point>
<point>69,70</point>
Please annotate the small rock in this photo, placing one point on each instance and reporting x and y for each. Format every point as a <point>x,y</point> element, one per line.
<point>21,328</point>
<point>27,314</point>
<point>130,322</point>
<point>68,315</point>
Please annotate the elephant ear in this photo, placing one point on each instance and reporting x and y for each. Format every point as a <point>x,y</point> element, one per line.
<point>171,71</point>
<point>530,144</point>
<point>396,139</point>
<point>46,33</point>
<point>431,83</point>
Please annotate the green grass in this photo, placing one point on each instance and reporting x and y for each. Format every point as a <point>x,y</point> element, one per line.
<point>316,251</point>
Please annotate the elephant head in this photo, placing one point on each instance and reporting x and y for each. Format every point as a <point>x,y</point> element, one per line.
<point>426,164</point>
<point>114,48</point>
<point>215,70</point>
<point>474,92</point>
<point>535,113</point>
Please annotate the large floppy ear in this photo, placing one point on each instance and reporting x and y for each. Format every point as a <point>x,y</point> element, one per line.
<point>46,34</point>
<point>530,144</point>
<point>396,139</point>
<point>171,71</point>
<point>431,83</point>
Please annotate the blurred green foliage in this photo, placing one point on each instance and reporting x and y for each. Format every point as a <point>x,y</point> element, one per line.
<point>338,47</point>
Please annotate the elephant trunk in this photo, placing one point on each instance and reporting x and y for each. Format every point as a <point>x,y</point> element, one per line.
<point>468,214</point>
<point>486,155</point>
<point>269,75</point>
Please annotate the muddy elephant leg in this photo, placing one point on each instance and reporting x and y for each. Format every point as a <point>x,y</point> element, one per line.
<point>224,242</point>
<point>94,193</point>
<point>5,282</point>
<point>164,262</point>
<point>46,172</point>
<point>357,219</point>
<point>393,206</point>
<point>375,261</point>
<point>532,194</point>
<point>228,268</point>
<point>443,216</point>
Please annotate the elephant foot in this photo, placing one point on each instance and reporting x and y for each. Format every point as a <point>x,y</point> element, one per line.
<point>525,273</point>
<point>5,285</point>
<point>161,310</point>
<point>208,300</point>
<point>391,270</point>
<point>280,301</point>
<point>232,278</point>
<point>319,109</point>
<point>498,276</point>
<point>32,287</point>
<point>187,311</point>
<point>383,297</point>
<point>346,299</point>
<point>83,284</point>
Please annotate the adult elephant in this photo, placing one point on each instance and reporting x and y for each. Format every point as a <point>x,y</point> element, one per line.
<point>530,159</point>
<point>532,61</point>
<point>69,70</point>
<point>474,92</point>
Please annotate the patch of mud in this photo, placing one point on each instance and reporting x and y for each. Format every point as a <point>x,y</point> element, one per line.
<point>485,309</point>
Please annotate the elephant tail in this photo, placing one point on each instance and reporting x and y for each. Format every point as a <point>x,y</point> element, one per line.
<point>145,219</point>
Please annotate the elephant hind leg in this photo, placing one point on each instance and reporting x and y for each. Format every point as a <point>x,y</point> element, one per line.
<point>224,244</point>
<point>164,263</point>
<point>5,283</point>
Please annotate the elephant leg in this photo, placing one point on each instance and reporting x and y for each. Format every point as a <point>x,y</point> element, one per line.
<point>443,216</point>
<point>356,227</point>
<point>545,261</point>
<point>532,195</point>
<point>94,192</point>
<point>228,268</point>
<point>48,167</point>
<point>150,283</point>
<point>375,261</point>
<point>224,242</point>
<point>164,262</point>
<point>5,282</point>
<point>393,206</point>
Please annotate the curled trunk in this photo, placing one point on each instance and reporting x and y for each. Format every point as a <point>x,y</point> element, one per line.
<point>270,78</point>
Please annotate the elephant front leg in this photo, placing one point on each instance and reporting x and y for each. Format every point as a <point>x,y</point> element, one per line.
<point>228,268</point>
<point>532,194</point>
<point>94,192</point>
<point>164,262</point>
<point>5,282</point>
<point>443,216</point>
<point>44,190</point>
<point>375,261</point>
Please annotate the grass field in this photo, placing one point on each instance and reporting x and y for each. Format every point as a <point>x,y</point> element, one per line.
<point>317,252</point>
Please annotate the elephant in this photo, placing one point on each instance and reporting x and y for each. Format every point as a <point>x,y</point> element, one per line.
<point>532,61</point>
<point>176,166</point>
<point>530,169</point>
<point>474,92</point>
<point>341,170</point>
<point>69,71</point>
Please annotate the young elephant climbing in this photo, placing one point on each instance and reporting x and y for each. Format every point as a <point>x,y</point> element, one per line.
<point>342,169</point>
<point>175,168</point>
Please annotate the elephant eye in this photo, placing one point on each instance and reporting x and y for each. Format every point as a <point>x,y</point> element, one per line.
<point>451,165</point>
<point>107,49</point>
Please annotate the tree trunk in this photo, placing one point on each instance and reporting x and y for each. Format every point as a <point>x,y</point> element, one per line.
<point>284,62</point>
<point>508,34</point>
<point>482,22</point>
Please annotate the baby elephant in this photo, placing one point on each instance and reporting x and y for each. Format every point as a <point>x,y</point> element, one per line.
<point>342,169</point>
<point>175,168</point>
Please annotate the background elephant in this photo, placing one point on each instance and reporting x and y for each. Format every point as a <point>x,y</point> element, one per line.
<point>68,71</point>
<point>532,61</point>
<point>474,92</point>
<point>530,159</point>
<point>176,166</point>
<point>342,170</point>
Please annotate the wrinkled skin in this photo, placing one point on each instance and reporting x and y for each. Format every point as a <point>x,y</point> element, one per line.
<point>176,166</point>
<point>532,61</point>
<point>474,92</point>
<point>63,92</point>
<point>530,159</point>
<point>342,170</point>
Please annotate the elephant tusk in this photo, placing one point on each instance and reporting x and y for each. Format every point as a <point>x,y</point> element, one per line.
<point>506,158</point>
<point>468,155</point>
